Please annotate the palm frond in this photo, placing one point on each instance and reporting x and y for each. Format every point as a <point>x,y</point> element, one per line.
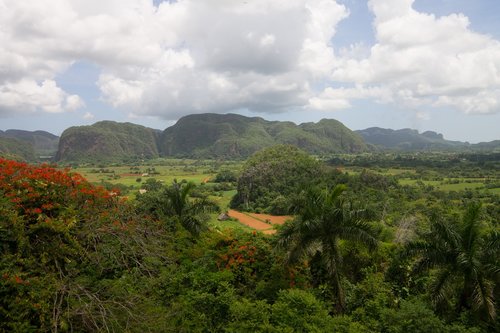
<point>438,293</point>
<point>471,227</point>
<point>194,224</point>
<point>482,297</point>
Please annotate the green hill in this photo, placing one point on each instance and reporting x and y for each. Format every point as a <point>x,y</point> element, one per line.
<point>43,143</point>
<point>107,141</point>
<point>232,135</point>
<point>16,149</point>
<point>408,139</point>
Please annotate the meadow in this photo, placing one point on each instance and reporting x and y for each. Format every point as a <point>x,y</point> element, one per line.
<point>131,178</point>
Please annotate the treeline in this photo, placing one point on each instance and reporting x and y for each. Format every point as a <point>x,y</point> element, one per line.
<point>436,160</point>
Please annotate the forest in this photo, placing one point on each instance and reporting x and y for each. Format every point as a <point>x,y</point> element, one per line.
<point>375,242</point>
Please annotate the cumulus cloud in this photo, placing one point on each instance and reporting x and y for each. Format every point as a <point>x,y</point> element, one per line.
<point>421,60</point>
<point>171,59</point>
<point>27,96</point>
<point>88,116</point>
<point>190,56</point>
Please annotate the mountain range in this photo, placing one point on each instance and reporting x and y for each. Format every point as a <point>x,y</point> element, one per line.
<point>215,136</point>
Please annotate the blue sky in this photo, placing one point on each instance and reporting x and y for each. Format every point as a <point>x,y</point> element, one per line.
<point>423,64</point>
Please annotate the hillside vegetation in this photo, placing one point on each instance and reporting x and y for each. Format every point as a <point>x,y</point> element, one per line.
<point>232,135</point>
<point>407,139</point>
<point>43,143</point>
<point>16,149</point>
<point>227,136</point>
<point>107,141</point>
<point>28,145</point>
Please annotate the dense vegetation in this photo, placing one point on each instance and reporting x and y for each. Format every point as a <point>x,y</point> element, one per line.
<point>16,149</point>
<point>226,136</point>
<point>43,143</point>
<point>272,176</point>
<point>232,135</point>
<point>408,139</point>
<point>376,245</point>
<point>108,141</point>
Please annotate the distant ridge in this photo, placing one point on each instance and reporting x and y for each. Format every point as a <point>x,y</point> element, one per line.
<point>408,139</point>
<point>212,135</point>
<point>29,145</point>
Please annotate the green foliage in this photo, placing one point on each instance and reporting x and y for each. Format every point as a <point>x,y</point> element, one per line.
<point>75,257</point>
<point>466,258</point>
<point>413,316</point>
<point>107,141</point>
<point>323,218</point>
<point>225,176</point>
<point>70,252</point>
<point>40,142</point>
<point>174,206</point>
<point>230,135</point>
<point>299,311</point>
<point>408,139</point>
<point>13,148</point>
<point>274,172</point>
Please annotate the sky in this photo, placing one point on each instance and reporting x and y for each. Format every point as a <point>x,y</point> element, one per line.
<point>422,64</point>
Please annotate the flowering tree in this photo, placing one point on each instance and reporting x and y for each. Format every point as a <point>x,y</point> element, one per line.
<point>60,237</point>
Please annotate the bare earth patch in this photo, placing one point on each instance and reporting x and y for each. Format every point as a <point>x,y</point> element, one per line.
<point>252,222</point>
<point>274,219</point>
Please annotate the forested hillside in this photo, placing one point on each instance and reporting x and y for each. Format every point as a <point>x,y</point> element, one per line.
<point>408,139</point>
<point>17,149</point>
<point>107,141</point>
<point>43,143</point>
<point>231,135</point>
<point>226,136</point>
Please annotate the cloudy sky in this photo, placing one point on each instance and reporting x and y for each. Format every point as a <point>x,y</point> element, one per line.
<point>423,64</point>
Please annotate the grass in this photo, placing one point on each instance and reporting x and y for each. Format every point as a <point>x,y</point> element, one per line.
<point>445,185</point>
<point>167,170</point>
<point>231,224</point>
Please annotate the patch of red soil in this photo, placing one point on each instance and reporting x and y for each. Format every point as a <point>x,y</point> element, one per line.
<point>251,222</point>
<point>274,219</point>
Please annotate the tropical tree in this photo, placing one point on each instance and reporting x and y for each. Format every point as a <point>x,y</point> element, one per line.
<point>189,213</point>
<point>466,259</point>
<point>323,219</point>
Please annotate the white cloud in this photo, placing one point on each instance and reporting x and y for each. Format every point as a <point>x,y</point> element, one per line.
<point>267,40</point>
<point>190,56</point>
<point>27,96</point>
<point>88,116</point>
<point>176,58</point>
<point>424,60</point>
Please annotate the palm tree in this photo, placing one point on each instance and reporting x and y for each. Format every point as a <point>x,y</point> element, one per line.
<point>190,213</point>
<point>466,259</point>
<point>323,219</point>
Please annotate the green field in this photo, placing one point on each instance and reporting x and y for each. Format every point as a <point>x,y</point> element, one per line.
<point>165,170</point>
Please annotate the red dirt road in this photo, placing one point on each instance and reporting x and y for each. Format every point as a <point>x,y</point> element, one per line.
<point>251,222</point>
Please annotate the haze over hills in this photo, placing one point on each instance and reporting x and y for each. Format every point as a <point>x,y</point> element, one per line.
<point>29,145</point>
<point>216,136</point>
<point>407,139</point>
